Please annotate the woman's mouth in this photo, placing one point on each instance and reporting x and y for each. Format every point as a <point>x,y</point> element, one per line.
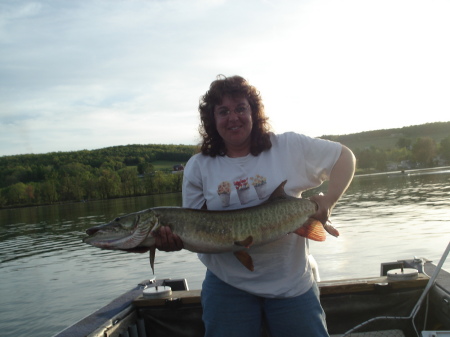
<point>234,128</point>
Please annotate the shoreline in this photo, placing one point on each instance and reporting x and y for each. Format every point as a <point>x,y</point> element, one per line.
<point>395,172</point>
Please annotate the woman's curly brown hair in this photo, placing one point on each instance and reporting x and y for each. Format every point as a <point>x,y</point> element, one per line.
<point>235,86</point>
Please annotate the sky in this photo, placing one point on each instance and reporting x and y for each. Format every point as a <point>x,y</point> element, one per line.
<point>78,75</point>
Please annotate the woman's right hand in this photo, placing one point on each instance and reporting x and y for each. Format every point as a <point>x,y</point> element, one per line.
<point>167,241</point>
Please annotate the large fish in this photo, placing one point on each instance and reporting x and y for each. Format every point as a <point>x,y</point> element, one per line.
<point>211,232</point>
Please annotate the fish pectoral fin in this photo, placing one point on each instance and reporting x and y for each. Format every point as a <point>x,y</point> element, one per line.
<point>312,229</point>
<point>152,258</point>
<point>245,243</point>
<point>245,259</point>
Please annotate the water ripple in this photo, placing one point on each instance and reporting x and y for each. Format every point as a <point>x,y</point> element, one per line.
<point>43,259</point>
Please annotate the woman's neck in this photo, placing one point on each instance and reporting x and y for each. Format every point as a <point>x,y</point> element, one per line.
<point>238,152</point>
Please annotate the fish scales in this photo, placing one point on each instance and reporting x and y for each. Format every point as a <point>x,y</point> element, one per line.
<point>200,231</point>
<point>209,231</point>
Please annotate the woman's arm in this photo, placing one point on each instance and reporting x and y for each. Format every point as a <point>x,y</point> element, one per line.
<point>340,178</point>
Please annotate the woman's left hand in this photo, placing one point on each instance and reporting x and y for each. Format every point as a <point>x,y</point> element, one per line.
<point>168,241</point>
<point>325,207</point>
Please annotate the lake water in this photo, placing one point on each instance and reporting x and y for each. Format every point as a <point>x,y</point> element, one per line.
<point>50,279</point>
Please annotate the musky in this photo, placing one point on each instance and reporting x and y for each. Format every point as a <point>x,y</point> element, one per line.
<point>80,75</point>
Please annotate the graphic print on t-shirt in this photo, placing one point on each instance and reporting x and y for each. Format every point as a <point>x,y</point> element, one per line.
<point>223,190</point>
<point>259,183</point>
<point>243,189</point>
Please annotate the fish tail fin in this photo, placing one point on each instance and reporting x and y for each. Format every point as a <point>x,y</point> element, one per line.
<point>312,229</point>
<point>152,258</point>
<point>245,259</point>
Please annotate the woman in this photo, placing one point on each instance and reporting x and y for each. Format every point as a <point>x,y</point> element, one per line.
<point>240,164</point>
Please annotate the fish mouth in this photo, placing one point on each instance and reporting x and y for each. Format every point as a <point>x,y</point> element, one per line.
<point>106,239</point>
<point>91,231</point>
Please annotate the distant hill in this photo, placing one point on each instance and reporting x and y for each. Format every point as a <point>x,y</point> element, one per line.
<point>388,138</point>
<point>132,170</point>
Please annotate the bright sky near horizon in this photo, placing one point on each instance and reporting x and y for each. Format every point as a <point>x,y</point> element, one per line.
<point>80,75</point>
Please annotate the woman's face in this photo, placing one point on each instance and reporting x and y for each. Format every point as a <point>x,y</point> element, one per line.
<point>234,123</point>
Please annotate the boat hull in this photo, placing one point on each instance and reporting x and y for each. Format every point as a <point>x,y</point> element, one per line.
<point>346,303</point>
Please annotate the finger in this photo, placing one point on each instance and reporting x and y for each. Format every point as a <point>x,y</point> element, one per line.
<point>178,242</point>
<point>168,241</point>
<point>158,243</point>
<point>173,241</point>
<point>161,241</point>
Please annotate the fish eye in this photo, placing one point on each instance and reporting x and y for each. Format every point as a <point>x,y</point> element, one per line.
<point>117,219</point>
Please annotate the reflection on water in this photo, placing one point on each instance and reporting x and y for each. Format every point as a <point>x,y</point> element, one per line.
<point>384,218</point>
<point>51,279</point>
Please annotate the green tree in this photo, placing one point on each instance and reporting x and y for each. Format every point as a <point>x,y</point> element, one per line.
<point>444,148</point>
<point>3,200</point>
<point>17,194</point>
<point>91,188</point>
<point>129,181</point>
<point>424,150</point>
<point>148,182</point>
<point>398,154</point>
<point>108,184</point>
<point>48,192</point>
<point>176,181</point>
<point>144,168</point>
<point>16,174</point>
<point>160,182</point>
<point>372,158</point>
<point>112,164</point>
<point>404,143</point>
<point>71,188</point>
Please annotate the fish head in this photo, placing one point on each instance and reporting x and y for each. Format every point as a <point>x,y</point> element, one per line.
<point>128,232</point>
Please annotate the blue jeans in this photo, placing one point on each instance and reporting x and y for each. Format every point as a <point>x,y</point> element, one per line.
<point>228,311</point>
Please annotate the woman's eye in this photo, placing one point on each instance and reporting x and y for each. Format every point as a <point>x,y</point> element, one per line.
<point>223,113</point>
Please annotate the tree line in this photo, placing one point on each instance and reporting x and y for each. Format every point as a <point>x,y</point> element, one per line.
<point>119,171</point>
<point>422,152</point>
<point>123,171</point>
<point>417,146</point>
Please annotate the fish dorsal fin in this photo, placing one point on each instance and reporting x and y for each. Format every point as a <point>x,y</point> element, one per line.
<point>152,258</point>
<point>245,259</point>
<point>245,243</point>
<point>279,192</point>
<point>312,229</point>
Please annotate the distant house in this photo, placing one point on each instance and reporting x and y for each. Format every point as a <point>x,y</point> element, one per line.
<point>177,168</point>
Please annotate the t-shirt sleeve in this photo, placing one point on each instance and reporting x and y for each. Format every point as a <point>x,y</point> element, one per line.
<point>318,156</point>
<point>192,191</point>
<point>321,157</point>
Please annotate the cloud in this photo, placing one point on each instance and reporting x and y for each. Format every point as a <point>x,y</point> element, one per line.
<point>90,74</point>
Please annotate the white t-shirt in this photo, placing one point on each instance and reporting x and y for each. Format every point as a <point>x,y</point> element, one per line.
<point>281,268</point>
